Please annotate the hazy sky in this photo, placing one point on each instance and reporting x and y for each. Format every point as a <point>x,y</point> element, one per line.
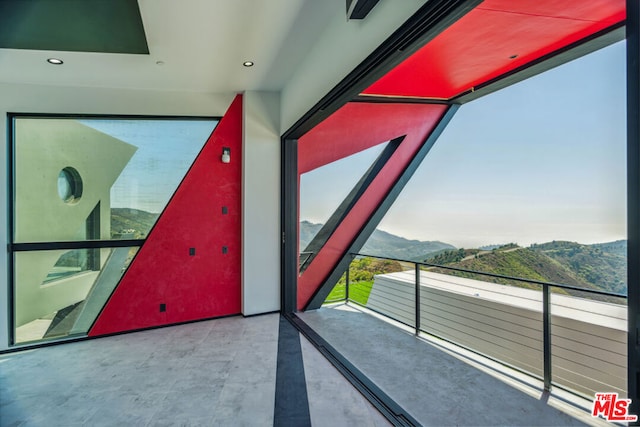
<point>541,160</point>
<point>166,149</point>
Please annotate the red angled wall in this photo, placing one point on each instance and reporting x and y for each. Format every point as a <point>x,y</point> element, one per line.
<point>356,127</point>
<point>206,284</point>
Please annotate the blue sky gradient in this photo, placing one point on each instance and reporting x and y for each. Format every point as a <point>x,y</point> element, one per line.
<point>541,160</point>
<point>166,150</point>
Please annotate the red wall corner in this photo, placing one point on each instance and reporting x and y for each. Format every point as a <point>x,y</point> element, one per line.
<point>207,284</point>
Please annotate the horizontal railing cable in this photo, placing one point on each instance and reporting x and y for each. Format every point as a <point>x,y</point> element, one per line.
<point>351,291</point>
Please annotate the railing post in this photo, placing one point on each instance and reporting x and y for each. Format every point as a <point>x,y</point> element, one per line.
<point>546,332</point>
<point>346,282</point>
<point>417,299</point>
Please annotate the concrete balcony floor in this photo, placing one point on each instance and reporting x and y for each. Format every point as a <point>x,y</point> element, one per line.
<point>228,372</point>
<point>440,384</point>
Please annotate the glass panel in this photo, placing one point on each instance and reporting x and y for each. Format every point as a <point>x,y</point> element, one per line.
<point>589,343</point>
<point>60,293</point>
<point>323,189</point>
<point>372,283</point>
<point>338,293</point>
<point>74,262</point>
<point>480,313</point>
<point>89,179</point>
<point>362,273</point>
<point>523,185</point>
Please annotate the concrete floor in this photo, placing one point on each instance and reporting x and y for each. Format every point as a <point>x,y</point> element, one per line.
<point>223,373</point>
<point>212,373</point>
<point>438,388</point>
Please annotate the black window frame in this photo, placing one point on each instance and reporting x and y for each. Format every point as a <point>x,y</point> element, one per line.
<point>13,248</point>
<point>411,36</point>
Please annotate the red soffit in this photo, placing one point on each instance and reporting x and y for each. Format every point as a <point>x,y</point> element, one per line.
<point>496,37</point>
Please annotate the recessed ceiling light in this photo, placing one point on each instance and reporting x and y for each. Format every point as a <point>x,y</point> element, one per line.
<point>248,63</point>
<point>55,61</point>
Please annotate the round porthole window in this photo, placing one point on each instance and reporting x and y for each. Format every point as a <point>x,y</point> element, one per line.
<point>69,185</point>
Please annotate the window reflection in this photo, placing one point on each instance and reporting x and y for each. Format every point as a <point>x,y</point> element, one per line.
<point>80,180</point>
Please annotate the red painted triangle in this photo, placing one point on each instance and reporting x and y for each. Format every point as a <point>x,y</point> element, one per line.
<point>191,287</point>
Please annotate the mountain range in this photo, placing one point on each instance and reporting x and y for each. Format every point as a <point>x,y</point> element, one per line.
<point>383,244</point>
<point>598,266</point>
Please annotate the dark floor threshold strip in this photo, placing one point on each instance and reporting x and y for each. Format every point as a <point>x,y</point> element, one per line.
<point>291,403</point>
<point>391,410</point>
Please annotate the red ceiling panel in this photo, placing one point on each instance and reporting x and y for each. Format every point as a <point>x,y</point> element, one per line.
<point>588,10</point>
<point>481,46</point>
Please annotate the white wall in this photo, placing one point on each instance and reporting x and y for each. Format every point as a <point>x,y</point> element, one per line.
<point>342,46</point>
<point>74,100</point>
<point>261,203</point>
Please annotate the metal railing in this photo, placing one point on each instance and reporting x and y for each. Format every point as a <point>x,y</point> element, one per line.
<point>546,304</point>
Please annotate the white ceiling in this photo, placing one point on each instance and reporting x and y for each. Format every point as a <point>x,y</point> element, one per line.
<point>202,44</point>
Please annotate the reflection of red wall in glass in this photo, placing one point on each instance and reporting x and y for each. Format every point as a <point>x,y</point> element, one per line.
<point>189,267</point>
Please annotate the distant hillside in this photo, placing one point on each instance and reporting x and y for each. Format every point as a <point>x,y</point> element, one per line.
<point>384,244</point>
<point>601,266</point>
<point>307,231</point>
<point>619,247</point>
<point>131,221</point>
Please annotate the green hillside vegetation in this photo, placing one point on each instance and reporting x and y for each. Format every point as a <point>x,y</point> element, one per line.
<point>522,263</point>
<point>134,222</point>
<point>450,257</point>
<point>619,247</point>
<point>600,266</point>
<point>603,265</point>
<point>361,274</point>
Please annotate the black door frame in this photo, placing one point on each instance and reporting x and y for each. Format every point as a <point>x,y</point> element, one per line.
<point>429,21</point>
